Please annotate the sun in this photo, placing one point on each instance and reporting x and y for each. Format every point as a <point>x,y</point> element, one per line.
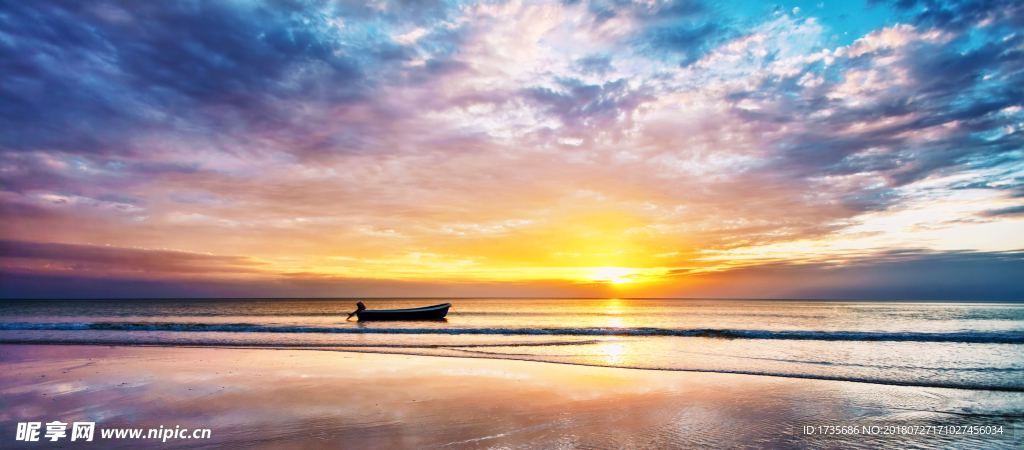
<point>614,275</point>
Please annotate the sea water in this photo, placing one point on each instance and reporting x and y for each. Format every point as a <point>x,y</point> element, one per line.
<point>931,344</point>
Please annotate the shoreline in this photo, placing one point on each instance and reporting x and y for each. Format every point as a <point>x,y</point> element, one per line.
<point>298,399</point>
<point>357,349</point>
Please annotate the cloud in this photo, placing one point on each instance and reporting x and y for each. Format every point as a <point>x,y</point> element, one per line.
<point>1011,211</point>
<point>78,258</point>
<point>501,137</point>
<point>906,274</point>
<point>580,106</point>
<point>961,14</point>
<point>690,41</point>
<point>91,77</point>
<point>595,64</point>
<point>901,103</point>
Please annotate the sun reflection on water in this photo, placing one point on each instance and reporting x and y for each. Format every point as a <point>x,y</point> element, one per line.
<point>614,349</point>
<point>614,310</point>
<point>615,352</point>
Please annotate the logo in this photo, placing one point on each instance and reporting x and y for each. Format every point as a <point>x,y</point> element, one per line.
<point>30,431</point>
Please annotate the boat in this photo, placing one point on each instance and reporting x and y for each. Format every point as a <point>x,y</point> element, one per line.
<point>424,313</point>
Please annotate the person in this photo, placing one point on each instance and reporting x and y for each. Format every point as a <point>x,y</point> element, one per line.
<point>359,307</point>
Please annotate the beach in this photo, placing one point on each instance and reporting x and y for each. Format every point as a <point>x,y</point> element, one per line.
<point>285,398</point>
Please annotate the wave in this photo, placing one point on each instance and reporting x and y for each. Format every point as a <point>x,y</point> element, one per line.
<point>973,337</point>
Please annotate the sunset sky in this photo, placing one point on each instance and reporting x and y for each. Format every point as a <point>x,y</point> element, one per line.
<point>799,149</point>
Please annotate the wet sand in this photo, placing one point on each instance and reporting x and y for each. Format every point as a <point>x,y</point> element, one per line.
<point>263,398</point>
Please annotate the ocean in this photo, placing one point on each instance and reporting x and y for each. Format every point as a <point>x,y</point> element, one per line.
<point>949,345</point>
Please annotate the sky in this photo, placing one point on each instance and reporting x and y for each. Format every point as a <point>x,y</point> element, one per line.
<point>661,148</point>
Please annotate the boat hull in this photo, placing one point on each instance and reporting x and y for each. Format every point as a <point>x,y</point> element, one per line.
<point>425,313</point>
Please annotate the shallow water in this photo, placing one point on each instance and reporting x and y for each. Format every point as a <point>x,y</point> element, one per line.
<point>262,398</point>
<point>958,345</point>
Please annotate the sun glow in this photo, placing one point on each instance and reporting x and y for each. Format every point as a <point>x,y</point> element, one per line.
<point>614,275</point>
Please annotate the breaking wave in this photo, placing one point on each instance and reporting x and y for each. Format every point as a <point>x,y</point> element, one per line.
<point>976,337</point>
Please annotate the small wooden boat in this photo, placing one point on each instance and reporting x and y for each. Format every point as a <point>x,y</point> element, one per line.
<point>424,313</point>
